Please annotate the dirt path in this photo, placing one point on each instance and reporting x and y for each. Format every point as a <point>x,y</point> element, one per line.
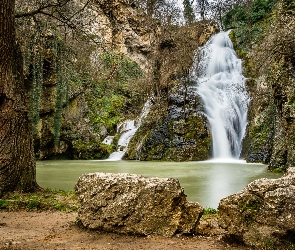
<point>57,230</point>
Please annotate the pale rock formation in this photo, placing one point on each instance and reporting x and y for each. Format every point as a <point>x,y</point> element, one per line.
<point>125,29</point>
<point>128,203</point>
<point>263,213</point>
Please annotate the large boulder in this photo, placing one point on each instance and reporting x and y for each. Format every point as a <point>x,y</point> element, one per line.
<point>263,213</point>
<point>128,203</point>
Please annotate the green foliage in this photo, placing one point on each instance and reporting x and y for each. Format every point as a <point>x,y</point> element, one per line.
<point>58,109</point>
<point>210,211</point>
<point>119,67</point>
<point>33,204</point>
<point>110,95</point>
<point>64,75</point>
<point>47,200</point>
<point>47,60</point>
<point>108,110</point>
<point>91,149</point>
<point>188,12</point>
<point>248,22</point>
<point>278,170</point>
<point>261,8</point>
<point>36,90</point>
<point>52,59</point>
<point>236,17</point>
<point>242,15</point>
<point>268,243</point>
<point>249,210</point>
<point>3,204</point>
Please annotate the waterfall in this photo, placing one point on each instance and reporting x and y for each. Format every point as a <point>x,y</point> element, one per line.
<point>127,129</point>
<point>218,74</point>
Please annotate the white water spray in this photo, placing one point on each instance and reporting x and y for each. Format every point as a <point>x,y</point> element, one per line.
<point>128,129</point>
<point>221,86</point>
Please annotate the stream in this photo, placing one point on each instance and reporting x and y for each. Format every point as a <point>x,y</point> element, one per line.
<point>205,182</point>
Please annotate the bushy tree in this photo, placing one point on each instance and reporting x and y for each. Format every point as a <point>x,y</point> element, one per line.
<point>188,12</point>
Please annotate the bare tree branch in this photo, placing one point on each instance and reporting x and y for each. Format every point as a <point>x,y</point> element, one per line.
<point>41,9</point>
<point>34,12</point>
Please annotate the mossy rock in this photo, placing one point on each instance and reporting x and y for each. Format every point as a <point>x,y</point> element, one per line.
<point>179,133</point>
<point>90,150</point>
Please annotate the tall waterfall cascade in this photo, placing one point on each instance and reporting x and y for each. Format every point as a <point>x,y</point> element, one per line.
<point>217,71</point>
<point>127,129</point>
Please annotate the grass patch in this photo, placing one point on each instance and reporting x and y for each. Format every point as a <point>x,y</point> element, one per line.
<point>278,170</point>
<point>3,204</point>
<point>210,211</point>
<point>48,199</point>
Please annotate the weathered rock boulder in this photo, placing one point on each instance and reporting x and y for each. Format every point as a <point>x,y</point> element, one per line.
<point>127,203</point>
<point>263,213</point>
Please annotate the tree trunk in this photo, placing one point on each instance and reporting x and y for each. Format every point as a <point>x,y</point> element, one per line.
<point>17,162</point>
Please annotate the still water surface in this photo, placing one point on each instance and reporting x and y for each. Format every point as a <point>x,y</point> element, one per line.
<point>204,182</point>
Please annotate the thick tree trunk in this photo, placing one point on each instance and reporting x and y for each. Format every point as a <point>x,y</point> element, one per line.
<point>17,162</point>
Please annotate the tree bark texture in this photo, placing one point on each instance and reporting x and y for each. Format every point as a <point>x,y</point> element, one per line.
<point>17,162</point>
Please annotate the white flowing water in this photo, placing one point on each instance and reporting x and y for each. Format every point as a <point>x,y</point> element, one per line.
<point>221,86</point>
<point>127,129</point>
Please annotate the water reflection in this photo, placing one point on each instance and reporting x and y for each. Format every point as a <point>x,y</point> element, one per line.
<point>205,182</point>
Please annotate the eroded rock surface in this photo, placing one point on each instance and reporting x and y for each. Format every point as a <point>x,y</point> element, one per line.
<point>127,203</point>
<point>181,134</point>
<point>263,213</point>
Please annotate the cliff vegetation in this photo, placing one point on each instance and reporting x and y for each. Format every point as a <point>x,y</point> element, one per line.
<point>263,34</point>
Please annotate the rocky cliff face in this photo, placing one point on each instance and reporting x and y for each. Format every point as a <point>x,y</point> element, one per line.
<point>175,129</point>
<point>124,28</point>
<point>119,27</point>
<point>181,133</point>
<point>77,115</point>
<point>270,68</point>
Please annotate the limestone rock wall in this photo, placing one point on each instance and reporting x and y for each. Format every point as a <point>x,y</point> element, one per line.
<point>126,203</point>
<point>165,56</point>
<point>124,28</point>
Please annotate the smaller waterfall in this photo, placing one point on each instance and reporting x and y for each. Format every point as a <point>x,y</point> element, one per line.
<point>221,86</point>
<point>127,129</point>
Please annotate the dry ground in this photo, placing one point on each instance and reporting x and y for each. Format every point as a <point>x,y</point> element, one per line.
<point>59,230</point>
